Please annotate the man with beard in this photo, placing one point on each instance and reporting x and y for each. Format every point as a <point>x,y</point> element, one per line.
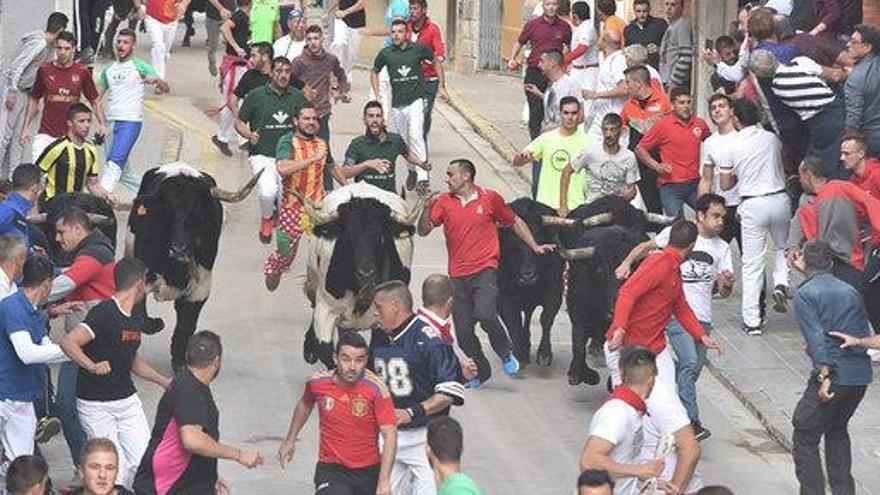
<point>302,157</point>
<point>354,406</point>
<point>121,88</point>
<point>264,117</point>
<point>314,68</point>
<point>372,158</point>
<point>293,44</point>
<point>188,420</point>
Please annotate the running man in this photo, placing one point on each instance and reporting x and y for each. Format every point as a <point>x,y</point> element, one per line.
<point>160,19</point>
<point>121,88</point>
<point>354,408</point>
<point>351,17</point>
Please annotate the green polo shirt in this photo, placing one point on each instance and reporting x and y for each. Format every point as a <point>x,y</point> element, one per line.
<point>270,114</point>
<point>405,70</point>
<point>459,484</point>
<point>363,148</point>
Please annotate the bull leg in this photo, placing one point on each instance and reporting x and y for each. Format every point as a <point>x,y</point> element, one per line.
<point>187,319</point>
<point>545,349</point>
<point>519,335</point>
<point>310,346</point>
<point>151,325</point>
<point>579,371</point>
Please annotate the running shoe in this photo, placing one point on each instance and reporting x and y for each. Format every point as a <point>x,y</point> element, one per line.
<point>223,147</point>
<point>411,179</point>
<point>266,230</point>
<point>700,432</point>
<point>752,330</point>
<point>511,364</point>
<point>47,428</point>
<point>780,299</point>
<point>272,282</point>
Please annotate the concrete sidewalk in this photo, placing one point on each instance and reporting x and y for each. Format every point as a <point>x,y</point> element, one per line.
<point>767,373</point>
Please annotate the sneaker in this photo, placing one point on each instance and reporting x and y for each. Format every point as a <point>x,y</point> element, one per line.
<point>47,428</point>
<point>752,330</point>
<point>780,299</point>
<point>700,432</point>
<point>266,230</point>
<point>272,282</point>
<point>511,365</point>
<point>474,384</point>
<point>411,180</point>
<point>223,147</point>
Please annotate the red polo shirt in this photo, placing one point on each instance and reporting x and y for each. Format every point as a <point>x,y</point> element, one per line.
<point>649,298</point>
<point>431,37</point>
<point>651,110</point>
<point>871,180</point>
<point>544,34</point>
<point>679,144</point>
<point>471,229</point>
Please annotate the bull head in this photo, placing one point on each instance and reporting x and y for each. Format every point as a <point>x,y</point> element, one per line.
<point>315,210</point>
<point>96,219</point>
<point>577,254</point>
<point>592,221</point>
<point>237,196</point>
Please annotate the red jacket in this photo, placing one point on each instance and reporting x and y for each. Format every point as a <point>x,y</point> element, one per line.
<point>649,298</point>
<point>431,37</point>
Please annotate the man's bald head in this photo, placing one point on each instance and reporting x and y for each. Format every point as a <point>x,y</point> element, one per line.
<point>437,290</point>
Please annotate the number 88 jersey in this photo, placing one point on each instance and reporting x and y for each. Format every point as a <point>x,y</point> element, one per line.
<point>416,364</point>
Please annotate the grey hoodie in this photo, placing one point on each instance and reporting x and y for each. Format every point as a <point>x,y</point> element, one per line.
<point>21,72</point>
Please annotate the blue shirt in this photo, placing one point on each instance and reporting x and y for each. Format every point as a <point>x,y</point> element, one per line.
<point>417,363</point>
<point>397,8</point>
<point>19,381</point>
<point>824,303</point>
<point>13,216</point>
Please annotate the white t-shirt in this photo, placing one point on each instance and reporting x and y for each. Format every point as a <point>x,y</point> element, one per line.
<point>124,83</point>
<point>610,75</point>
<point>585,34</point>
<point>621,425</point>
<point>566,85</point>
<point>757,162</point>
<point>666,415</point>
<point>718,150</point>
<point>288,48</point>
<point>606,173</point>
<point>700,269</point>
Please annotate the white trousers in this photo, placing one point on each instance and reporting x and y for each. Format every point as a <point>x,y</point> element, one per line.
<point>162,37</point>
<point>760,216</point>
<point>18,422</point>
<point>587,78</point>
<point>384,96</point>
<point>411,473</point>
<point>268,184</point>
<point>409,122</point>
<point>346,42</point>
<point>665,367</point>
<point>226,127</point>
<point>124,423</point>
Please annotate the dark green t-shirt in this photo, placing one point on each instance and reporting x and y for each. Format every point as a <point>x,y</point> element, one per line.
<point>270,115</point>
<point>363,148</point>
<point>405,70</point>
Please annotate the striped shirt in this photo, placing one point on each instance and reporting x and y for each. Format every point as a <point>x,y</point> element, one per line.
<point>801,88</point>
<point>68,167</point>
<point>309,181</point>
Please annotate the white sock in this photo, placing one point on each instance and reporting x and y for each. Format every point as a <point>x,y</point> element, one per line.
<point>110,176</point>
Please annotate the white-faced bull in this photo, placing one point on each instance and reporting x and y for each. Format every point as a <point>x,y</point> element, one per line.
<point>527,280</point>
<point>364,238</point>
<point>595,238</point>
<point>174,227</point>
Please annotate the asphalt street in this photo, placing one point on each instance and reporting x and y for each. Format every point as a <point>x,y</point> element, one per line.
<point>522,436</point>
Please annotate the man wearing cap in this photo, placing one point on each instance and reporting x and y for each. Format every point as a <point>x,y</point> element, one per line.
<point>292,45</point>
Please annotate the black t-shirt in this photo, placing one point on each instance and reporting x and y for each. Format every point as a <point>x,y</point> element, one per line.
<point>241,33</point>
<point>651,33</point>
<point>253,79</point>
<point>212,13</point>
<point>355,20</point>
<point>186,402</point>
<point>117,338</point>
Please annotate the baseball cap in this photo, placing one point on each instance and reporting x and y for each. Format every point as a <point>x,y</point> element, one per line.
<point>782,7</point>
<point>296,13</point>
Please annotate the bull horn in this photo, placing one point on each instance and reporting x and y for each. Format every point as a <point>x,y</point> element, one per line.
<point>98,219</point>
<point>237,196</point>
<point>659,219</point>
<point>412,216</point>
<point>315,210</point>
<point>557,221</point>
<point>37,218</point>
<point>577,254</point>
<point>598,220</point>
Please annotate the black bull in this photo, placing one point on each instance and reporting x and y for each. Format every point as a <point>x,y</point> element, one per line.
<point>594,239</point>
<point>99,211</point>
<point>176,220</point>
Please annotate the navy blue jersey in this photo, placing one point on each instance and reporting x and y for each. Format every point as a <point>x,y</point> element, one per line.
<point>416,364</point>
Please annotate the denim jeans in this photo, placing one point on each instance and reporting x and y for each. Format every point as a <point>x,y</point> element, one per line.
<point>689,359</point>
<point>674,196</point>
<point>65,406</point>
<point>431,90</point>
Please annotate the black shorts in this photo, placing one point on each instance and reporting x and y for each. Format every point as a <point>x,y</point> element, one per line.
<point>333,479</point>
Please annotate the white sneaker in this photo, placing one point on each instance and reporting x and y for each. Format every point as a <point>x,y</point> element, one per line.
<point>110,176</point>
<point>874,354</point>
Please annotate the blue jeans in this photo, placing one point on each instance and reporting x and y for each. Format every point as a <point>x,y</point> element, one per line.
<point>689,359</point>
<point>674,196</point>
<point>431,89</point>
<point>124,136</point>
<point>65,405</point>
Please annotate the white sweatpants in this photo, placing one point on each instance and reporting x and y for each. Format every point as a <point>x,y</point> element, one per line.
<point>345,45</point>
<point>409,122</point>
<point>411,473</point>
<point>226,127</point>
<point>162,37</point>
<point>39,145</point>
<point>124,423</point>
<point>761,216</point>
<point>665,367</point>
<point>18,422</point>
<point>587,78</point>
<point>268,184</point>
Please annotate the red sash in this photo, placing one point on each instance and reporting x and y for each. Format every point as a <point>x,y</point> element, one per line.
<point>627,395</point>
<point>444,327</point>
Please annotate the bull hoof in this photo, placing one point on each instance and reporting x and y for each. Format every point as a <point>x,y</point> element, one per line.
<point>154,326</point>
<point>310,347</point>
<point>587,375</point>
<point>544,358</point>
<point>574,380</point>
<point>596,348</point>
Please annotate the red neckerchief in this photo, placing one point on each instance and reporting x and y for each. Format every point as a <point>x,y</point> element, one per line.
<point>627,395</point>
<point>444,327</point>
